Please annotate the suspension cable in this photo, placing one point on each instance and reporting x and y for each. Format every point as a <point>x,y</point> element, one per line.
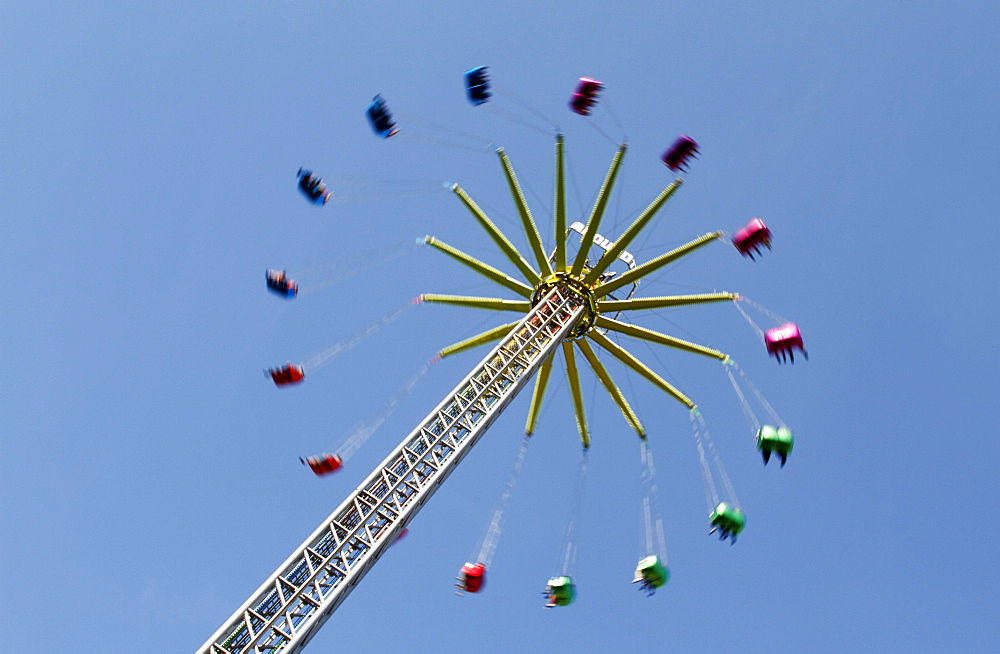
<point>514,118</point>
<point>329,353</point>
<point>568,546</point>
<point>747,411</point>
<point>756,328</point>
<point>614,117</point>
<point>711,494</point>
<point>652,540</point>
<point>473,142</point>
<point>363,267</point>
<point>430,140</point>
<point>767,312</point>
<point>502,90</point>
<point>358,197</point>
<point>730,491</point>
<point>360,436</point>
<point>496,524</point>
<point>600,131</point>
<point>760,397</point>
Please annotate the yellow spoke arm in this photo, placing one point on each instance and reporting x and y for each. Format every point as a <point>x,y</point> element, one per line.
<point>612,388</point>
<point>638,303</point>
<point>574,387</point>
<point>483,269</point>
<point>634,229</point>
<point>486,337</point>
<point>530,228</point>
<point>541,383</point>
<point>657,337</point>
<point>626,357</point>
<point>655,264</point>
<point>560,207</point>
<point>597,212</point>
<point>494,232</point>
<point>493,303</point>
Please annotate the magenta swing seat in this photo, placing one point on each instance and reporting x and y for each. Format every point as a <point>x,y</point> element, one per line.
<point>677,155</point>
<point>751,237</point>
<point>783,341</point>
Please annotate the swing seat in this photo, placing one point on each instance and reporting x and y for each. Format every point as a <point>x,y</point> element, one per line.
<point>380,118</point>
<point>751,237</point>
<point>775,440</point>
<point>784,340</point>
<point>313,188</point>
<point>287,374</point>
<point>728,520</point>
<point>651,573</point>
<point>677,155</point>
<point>323,464</point>
<point>477,85</point>
<point>585,95</point>
<point>278,282</point>
<point>560,592</point>
<point>471,578</point>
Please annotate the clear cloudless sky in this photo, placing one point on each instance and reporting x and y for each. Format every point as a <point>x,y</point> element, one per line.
<point>149,477</point>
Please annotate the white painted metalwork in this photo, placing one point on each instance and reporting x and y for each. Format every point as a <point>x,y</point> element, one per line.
<point>604,244</point>
<point>291,606</point>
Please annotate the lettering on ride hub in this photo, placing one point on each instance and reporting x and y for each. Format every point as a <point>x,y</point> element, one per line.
<point>604,244</point>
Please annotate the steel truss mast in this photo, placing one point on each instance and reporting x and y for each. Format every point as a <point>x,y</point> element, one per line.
<point>292,605</point>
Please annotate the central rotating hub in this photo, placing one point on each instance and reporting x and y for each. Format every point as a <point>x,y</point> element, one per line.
<point>565,280</point>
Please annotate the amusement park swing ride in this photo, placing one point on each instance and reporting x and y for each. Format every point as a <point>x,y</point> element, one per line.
<point>566,304</point>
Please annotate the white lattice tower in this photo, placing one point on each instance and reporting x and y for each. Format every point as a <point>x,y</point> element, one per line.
<point>292,605</point>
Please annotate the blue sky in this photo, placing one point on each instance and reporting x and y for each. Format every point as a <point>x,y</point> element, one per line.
<point>150,477</point>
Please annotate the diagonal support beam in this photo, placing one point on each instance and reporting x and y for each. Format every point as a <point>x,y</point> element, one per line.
<point>634,230</point>
<point>612,388</point>
<point>657,337</point>
<point>494,233</point>
<point>483,269</point>
<point>530,228</point>
<point>629,360</point>
<point>655,264</point>
<point>662,302</point>
<point>598,211</point>
<point>574,387</point>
